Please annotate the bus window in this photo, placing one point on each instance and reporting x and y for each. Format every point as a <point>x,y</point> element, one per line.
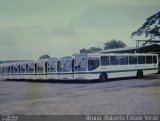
<point>154,59</point>
<point>123,60</point>
<point>46,67</point>
<point>15,69</point>
<point>32,68</point>
<point>73,61</point>
<point>40,68</point>
<point>104,60</point>
<point>132,59</point>
<point>114,60</point>
<point>8,69</point>
<point>12,69</point>
<point>22,69</point>
<point>148,59</point>
<point>36,68</point>
<point>93,63</point>
<point>66,65</point>
<point>52,66</point>
<point>58,66</point>
<point>81,64</point>
<point>19,69</point>
<point>27,69</point>
<point>141,59</point>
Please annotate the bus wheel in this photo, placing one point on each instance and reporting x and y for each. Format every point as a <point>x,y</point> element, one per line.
<point>140,74</point>
<point>103,77</point>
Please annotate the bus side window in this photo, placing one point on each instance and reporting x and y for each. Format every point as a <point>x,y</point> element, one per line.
<point>123,60</point>
<point>46,67</point>
<point>148,59</point>
<point>141,59</point>
<point>12,69</point>
<point>104,60</point>
<point>27,69</point>
<point>36,68</point>
<point>73,61</point>
<point>132,59</point>
<point>58,66</point>
<point>19,69</point>
<point>114,60</point>
<point>154,59</point>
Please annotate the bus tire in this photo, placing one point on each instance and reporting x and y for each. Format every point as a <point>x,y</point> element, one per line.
<point>103,77</point>
<point>140,74</point>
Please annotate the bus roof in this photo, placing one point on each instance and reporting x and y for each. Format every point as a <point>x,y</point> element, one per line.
<point>116,54</point>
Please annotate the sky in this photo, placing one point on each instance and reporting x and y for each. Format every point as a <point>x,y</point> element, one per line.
<point>31,28</point>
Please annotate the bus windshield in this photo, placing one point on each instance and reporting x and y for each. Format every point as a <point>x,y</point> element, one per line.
<point>81,64</point>
<point>31,68</point>
<point>22,68</point>
<point>93,63</point>
<point>52,66</point>
<point>40,68</point>
<point>66,66</point>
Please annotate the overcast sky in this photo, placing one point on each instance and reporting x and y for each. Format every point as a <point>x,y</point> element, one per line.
<point>30,28</point>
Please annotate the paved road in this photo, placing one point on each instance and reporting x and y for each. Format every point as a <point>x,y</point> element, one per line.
<point>121,96</point>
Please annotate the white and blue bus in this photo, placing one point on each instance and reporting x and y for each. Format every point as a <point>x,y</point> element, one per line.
<point>104,66</point>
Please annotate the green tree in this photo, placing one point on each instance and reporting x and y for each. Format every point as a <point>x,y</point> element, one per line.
<point>45,56</point>
<point>90,50</point>
<point>150,28</point>
<point>114,44</point>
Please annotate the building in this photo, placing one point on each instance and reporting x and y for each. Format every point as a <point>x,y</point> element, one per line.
<point>155,48</point>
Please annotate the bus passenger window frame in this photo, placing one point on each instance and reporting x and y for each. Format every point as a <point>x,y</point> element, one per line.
<point>111,61</point>
<point>147,60</point>
<point>131,62</point>
<point>141,61</point>
<point>105,60</point>
<point>126,57</point>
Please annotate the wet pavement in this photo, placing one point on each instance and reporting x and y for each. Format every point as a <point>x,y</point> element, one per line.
<point>120,96</point>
